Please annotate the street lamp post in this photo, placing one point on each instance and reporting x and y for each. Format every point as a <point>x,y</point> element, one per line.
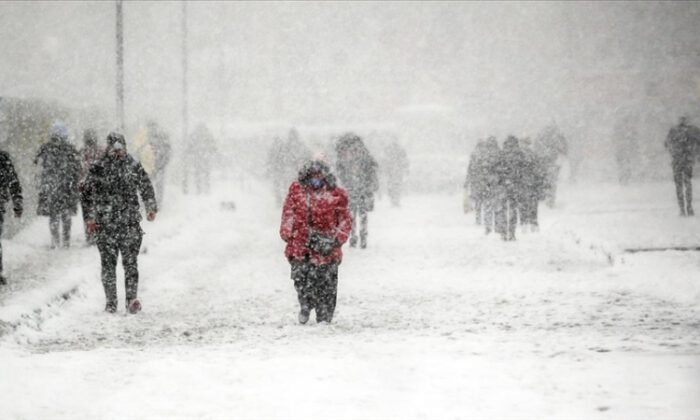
<point>185,115</point>
<point>120,66</point>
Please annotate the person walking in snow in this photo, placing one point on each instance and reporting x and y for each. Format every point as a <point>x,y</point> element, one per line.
<point>315,224</point>
<point>89,155</point>
<point>532,182</point>
<point>294,155</point>
<point>509,171</point>
<point>274,169</point>
<point>357,171</point>
<point>199,158</point>
<point>111,196</point>
<point>395,166</point>
<point>683,142</point>
<point>475,183</point>
<point>10,189</point>
<point>489,175</point>
<point>58,190</point>
<point>550,146</point>
<point>159,141</point>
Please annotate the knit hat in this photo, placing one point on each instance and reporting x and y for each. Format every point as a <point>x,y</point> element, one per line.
<point>116,141</point>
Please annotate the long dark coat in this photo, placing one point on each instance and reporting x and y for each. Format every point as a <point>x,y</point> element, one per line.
<point>58,190</point>
<point>111,194</point>
<point>9,184</point>
<point>357,171</point>
<point>683,142</point>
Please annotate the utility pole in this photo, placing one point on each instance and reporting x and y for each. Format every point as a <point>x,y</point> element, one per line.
<point>120,66</point>
<point>185,116</point>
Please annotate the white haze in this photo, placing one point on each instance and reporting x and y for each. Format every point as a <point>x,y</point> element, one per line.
<point>440,75</point>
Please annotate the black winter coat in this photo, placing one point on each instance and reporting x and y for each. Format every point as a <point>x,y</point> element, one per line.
<point>358,175</point>
<point>58,191</point>
<point>9,184</point>
<point>683,142</point>
<point>510,168</point>
<point>111,194</point>
<point>532,175</point>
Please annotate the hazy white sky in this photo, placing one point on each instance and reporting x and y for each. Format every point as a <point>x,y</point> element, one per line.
<point>515,64</point>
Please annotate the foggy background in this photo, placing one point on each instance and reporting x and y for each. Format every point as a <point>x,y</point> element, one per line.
<point>439,76</point>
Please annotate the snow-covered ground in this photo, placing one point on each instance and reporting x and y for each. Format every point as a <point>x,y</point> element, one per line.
<point>434,320</point>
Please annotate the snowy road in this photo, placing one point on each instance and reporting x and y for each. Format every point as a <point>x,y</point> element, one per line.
<point>433,320</point>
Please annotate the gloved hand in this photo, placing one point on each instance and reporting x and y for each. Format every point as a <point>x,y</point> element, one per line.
<point>91,226</point>
<point>151,216</point>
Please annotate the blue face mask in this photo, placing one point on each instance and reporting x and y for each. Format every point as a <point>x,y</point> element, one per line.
<point>316,182</point>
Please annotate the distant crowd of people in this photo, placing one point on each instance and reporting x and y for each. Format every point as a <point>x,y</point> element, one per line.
<point>505,185</point>
<point>110,184</point>
<point>324,204</point>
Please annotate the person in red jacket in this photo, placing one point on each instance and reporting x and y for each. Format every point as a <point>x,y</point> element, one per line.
<point>315,224</point>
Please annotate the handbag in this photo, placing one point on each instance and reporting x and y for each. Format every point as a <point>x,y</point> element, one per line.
<point>317,241</point>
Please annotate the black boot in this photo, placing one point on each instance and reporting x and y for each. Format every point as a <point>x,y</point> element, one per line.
<point>304,315</point>
<point>111,307</point>
<point>3,280</point>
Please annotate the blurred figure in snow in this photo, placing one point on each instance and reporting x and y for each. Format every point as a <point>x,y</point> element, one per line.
<point>475,183</point>
<point>683,142</point>
<point>294,155</point>
<point>275,169</point>
<point>58,189</point>
<point>357,171</point>
<point>10,189</point>
<point>111,197</point>
<point>532,180</point>
<point>160,144</point>
<point>549,146</point>
<point>152,149</point>
<point>395,168</point>
<point>89,155</point>
<point>199,159</point>
<point>488,174</point>
<point>315,224</point>
<point>510,171</point>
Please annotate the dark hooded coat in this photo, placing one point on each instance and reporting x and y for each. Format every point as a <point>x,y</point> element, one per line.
<point>10,188</point>
<point>357,171</point>
<point>111,194</point>
<point>58,190</point>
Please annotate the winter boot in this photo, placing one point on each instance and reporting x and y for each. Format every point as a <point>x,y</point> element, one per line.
<point>133,306</point>
<point>363,242</point>
<point>304,315</point>
<point>3,280</point>
<point>353,241</point>
<point>111,307</point>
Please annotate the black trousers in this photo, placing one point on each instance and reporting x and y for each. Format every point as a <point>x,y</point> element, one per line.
<point>317,287</point>
<point>682,176</point>
<point>56,219</point>
<point>126,242</point>
<point>507,216</point>
<point>528,211</point>
<point>90,238</point>
<point>359,210</point>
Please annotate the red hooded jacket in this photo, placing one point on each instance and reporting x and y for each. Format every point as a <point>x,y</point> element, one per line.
<point>328,207</point>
